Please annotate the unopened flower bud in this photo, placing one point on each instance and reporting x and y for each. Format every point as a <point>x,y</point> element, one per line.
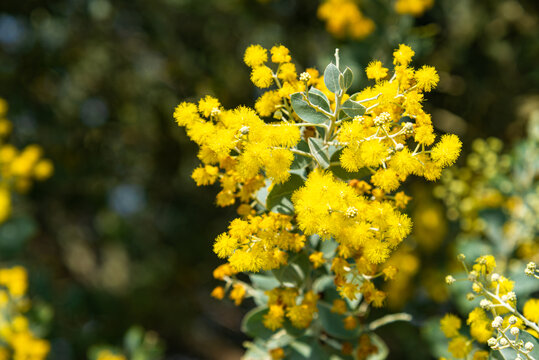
<point>514,331</point>
<point>492,342</point>
<point>351,212</point>
<point>381,119</point>
<point>358,119</point>
<point>530,268</point>
<point>305,76</point>
<point>512,320</point>
<point>528,346</point>
<point>449,280</point>
<point>244,130</point>
<point>511,296</point>
<point>497,322</point>
<point>399,147</point>
<point>495,277</point>
<point>472,275</point>
<point>503,341</point>
<point>485,304</point>
<point>461,257</point>
<point>470,297</point>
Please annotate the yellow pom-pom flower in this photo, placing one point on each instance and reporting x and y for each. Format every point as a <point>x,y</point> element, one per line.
<point>426,78</point>
<point>446,151</point>
<point>262,76</point>
<point>255,55</point>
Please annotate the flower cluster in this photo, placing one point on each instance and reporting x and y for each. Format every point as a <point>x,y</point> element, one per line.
<point>344,18</point>
<point>317,173</point>
<point>17,168</point>
<point>495,321</point>
<point>258,242</point>
<point>17,339</point>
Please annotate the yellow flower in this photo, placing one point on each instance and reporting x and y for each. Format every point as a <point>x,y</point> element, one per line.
<point>401,199</point>
<point>207,105</point>
<point>218,293</point>
<point>460,347</point>
<point>531,310</point>
<point>5,127</point>
<point>237,294</point>
<point>225,245</point>
<point>403,55</point>
<point>450,325</point>
<point>15,279</point>
<point>339,306</point>
<point>267,103</point>
<point>206,175</point>
<point>480,325</point>
<point>262,76</point>
<point>447,150</point>
<point>343,18</point>
<point>300,315</point>
<point>287,72</point>
<point>43,169</point>
<point>386,179</point>
<point>186,114</point>
<point>413,7</point>
<point>375,70</point>
<point>274,318</point>
<point>348,290</point>
<point>317,258</point>
<point>223,270</point>
<point>5,204</point>
<point>485,264</point>
<point>255,55</point>
<point>277,353</point>
<point>426,78</point>
<point>424,134</point>
<point>279,54</point>
<point>350,322</point>
<point>390,272</point>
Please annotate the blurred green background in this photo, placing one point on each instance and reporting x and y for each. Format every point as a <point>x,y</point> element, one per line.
<point>120,235</point>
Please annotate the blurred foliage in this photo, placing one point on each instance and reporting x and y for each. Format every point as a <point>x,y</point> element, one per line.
<point>119,234</point>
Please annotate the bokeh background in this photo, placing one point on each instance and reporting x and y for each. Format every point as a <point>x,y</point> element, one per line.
<point>120,235</point>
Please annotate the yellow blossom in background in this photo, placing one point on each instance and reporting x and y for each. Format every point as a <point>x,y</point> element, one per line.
<point>18,168</point>
<point>274,318</point>
<point>350,322</point>
<point>413,7</point>
<point>237,294</point>
<point>339,306</point>
<point>15,331</point>
<point>317,258</point>
<point>531,310</point>
<point>460,347</point>
<point>450,325</point>
<point>344,18</point>
<point>485,264</point>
